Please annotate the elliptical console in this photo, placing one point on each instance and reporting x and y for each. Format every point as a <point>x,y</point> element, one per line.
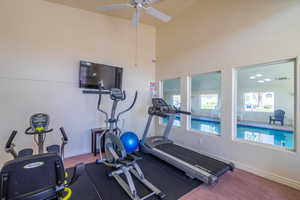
<point>38,124</point>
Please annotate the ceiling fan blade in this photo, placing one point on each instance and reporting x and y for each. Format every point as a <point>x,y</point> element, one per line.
<point>158,14</point>
<point>114,7</point>
<point>136,18</point>
<point>154,1</point>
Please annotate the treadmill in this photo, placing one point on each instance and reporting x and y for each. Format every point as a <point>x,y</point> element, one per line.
<point>195,165</point>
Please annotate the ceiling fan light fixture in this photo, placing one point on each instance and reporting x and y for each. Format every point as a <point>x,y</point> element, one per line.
<point>267,79</point>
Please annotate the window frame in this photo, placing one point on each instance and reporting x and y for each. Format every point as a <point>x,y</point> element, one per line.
<point>161,95</point>
<point>296,127</point>
<point>189,101</point>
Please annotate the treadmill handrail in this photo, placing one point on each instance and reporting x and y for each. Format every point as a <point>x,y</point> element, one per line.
<point>151,145</point>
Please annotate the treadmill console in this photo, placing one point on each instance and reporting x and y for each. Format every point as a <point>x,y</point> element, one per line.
<point>162,109</point>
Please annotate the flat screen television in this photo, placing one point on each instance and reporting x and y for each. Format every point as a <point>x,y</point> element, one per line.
<point>91,74</point>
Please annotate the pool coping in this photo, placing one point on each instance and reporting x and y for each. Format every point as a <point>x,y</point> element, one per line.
<point>246,123</point>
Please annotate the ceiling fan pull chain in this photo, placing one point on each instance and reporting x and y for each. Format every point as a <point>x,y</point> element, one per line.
<point>136,47</point>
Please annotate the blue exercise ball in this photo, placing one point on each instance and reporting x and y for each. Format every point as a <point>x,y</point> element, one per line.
<point>130,141</point>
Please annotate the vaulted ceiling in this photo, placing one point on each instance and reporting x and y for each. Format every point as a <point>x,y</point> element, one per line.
<point>170,7</point>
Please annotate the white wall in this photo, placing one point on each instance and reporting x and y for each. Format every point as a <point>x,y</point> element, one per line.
<point>41,45</point>
<point>221,35</point>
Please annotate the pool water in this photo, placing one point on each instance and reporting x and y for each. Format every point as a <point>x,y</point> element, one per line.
<point>206,126</point>
<point>267,136</point>
<point>261,135</point>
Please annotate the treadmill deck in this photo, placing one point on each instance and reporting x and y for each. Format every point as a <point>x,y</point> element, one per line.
<point>211,165</point>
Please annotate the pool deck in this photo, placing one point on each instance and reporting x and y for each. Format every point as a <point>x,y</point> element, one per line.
<point>264,125</point>
<point>248,123</point>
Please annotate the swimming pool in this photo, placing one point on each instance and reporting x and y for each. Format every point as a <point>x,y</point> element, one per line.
<point>261,135</point>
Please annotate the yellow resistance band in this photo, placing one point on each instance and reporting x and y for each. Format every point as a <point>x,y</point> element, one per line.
<point>69,194</point>
<point>66,176</point>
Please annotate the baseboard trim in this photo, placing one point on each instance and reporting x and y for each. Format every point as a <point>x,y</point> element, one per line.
<point>73,154</point>
<point>268,175</point>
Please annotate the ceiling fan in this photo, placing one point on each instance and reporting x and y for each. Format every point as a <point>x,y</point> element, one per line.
<point>138,5</point>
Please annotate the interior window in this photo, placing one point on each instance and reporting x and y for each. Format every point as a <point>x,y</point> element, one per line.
<point>206,103</point>
<point>171,94</point>
<point>265,106</point>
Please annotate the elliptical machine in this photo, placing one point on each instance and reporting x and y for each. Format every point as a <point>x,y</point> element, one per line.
<point>116,156</point>
<point>39,124</point>
<point>41,176</point>
<point>37,177</point>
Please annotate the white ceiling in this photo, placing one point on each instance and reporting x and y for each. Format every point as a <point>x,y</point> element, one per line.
<point>170,7</point>
<point>272,72</point>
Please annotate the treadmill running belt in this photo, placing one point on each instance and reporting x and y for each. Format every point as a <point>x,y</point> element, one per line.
<point>211,165</point>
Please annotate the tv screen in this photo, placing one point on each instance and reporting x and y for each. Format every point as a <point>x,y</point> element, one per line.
<point>91,74</point>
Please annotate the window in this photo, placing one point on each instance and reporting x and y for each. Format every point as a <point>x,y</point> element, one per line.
<point>171,94</point>
<point>206,103</point>
<point>209,101</point>
<point>265,104</point>
<point>259,102</point>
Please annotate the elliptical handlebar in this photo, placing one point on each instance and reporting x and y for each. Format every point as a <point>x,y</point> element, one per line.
<point>124,95</point>
<point>102,91</point>
<point>28,132</point>
<point>11,139</point>
<point>63,133</point>
<point>65,140</point>
<point>116,95</point>
<point>130,107</point>
<point>9,147</point>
